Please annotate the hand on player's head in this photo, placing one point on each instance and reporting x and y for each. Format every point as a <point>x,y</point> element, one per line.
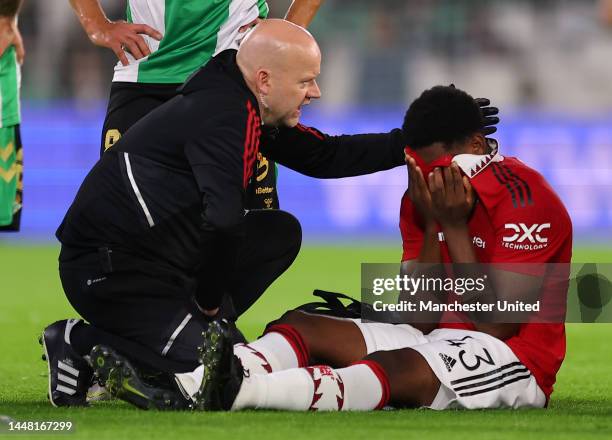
<point>489,115</point>
<point>280,62</point>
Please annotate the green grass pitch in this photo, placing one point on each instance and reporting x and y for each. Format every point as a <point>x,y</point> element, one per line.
<point>31,297</point>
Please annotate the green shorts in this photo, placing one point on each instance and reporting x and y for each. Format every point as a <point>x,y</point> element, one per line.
<point>11,178</point>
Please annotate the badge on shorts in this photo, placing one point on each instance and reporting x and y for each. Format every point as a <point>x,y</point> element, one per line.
<point>449,362</point>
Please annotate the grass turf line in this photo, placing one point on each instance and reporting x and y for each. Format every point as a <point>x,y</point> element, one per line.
<point>581,406</point>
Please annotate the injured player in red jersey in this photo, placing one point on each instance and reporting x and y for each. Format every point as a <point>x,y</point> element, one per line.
<point>460,189</point>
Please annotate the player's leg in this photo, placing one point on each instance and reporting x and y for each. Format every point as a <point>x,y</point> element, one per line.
<point>283,347</point>
<point>128,103</point>
<point>412,383</point>
<point>455,369</point>
<point>361,386</point>
<point>364,385</point>
<point>398,377</point>
<point>299,339</point>
<point>325,339</point>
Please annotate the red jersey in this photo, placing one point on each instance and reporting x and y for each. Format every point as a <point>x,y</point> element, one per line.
<point>518,219</point>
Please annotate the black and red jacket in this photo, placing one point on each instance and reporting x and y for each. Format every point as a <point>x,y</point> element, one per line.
<point>171,192</point>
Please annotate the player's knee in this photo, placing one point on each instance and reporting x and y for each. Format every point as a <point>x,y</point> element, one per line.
<point>412,381</point>
<point>305,324</point>
<point>295,318</point>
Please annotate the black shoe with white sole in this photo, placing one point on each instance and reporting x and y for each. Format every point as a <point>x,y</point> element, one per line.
<point>223,372</point>
<point>70,376</point>
<point>123,380</point>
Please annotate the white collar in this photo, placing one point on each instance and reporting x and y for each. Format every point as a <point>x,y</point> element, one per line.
<point>473,164</point>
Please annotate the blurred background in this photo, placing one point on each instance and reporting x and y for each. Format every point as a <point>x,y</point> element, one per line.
<point>546,63</point>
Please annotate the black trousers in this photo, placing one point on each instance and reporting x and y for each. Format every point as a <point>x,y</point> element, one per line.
<point>130,305</point>
<point>130,102</point>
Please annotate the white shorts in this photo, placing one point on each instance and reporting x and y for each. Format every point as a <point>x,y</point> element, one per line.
<point>476,370</point>
<point>384,337</point>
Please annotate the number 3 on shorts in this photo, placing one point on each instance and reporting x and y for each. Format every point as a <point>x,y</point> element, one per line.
<point>475,364</point>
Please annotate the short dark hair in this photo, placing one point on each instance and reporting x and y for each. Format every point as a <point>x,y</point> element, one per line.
<point>441,114</point>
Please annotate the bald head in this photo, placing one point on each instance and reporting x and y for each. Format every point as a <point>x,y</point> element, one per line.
<point>280,62</point>
<point>275,43</point>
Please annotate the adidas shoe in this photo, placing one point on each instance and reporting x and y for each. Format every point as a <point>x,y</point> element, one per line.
<point>126,382</point>
<point>69,373</point>
<point>223,372</point>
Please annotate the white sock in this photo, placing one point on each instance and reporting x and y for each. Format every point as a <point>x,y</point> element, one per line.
<point>271,352</point>
<point>191,381</point>
<point>321,388</point>
<point>363,389</point>
<point>288,389</point>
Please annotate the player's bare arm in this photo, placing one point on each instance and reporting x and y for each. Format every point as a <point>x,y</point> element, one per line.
<point>118,36</point>
<point>9,32</point>
<point>302,12</point>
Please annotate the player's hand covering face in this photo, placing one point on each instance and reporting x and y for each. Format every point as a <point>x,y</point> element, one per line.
<point>452,196</point>
<point>445,196</point>
<point>419,192</point>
